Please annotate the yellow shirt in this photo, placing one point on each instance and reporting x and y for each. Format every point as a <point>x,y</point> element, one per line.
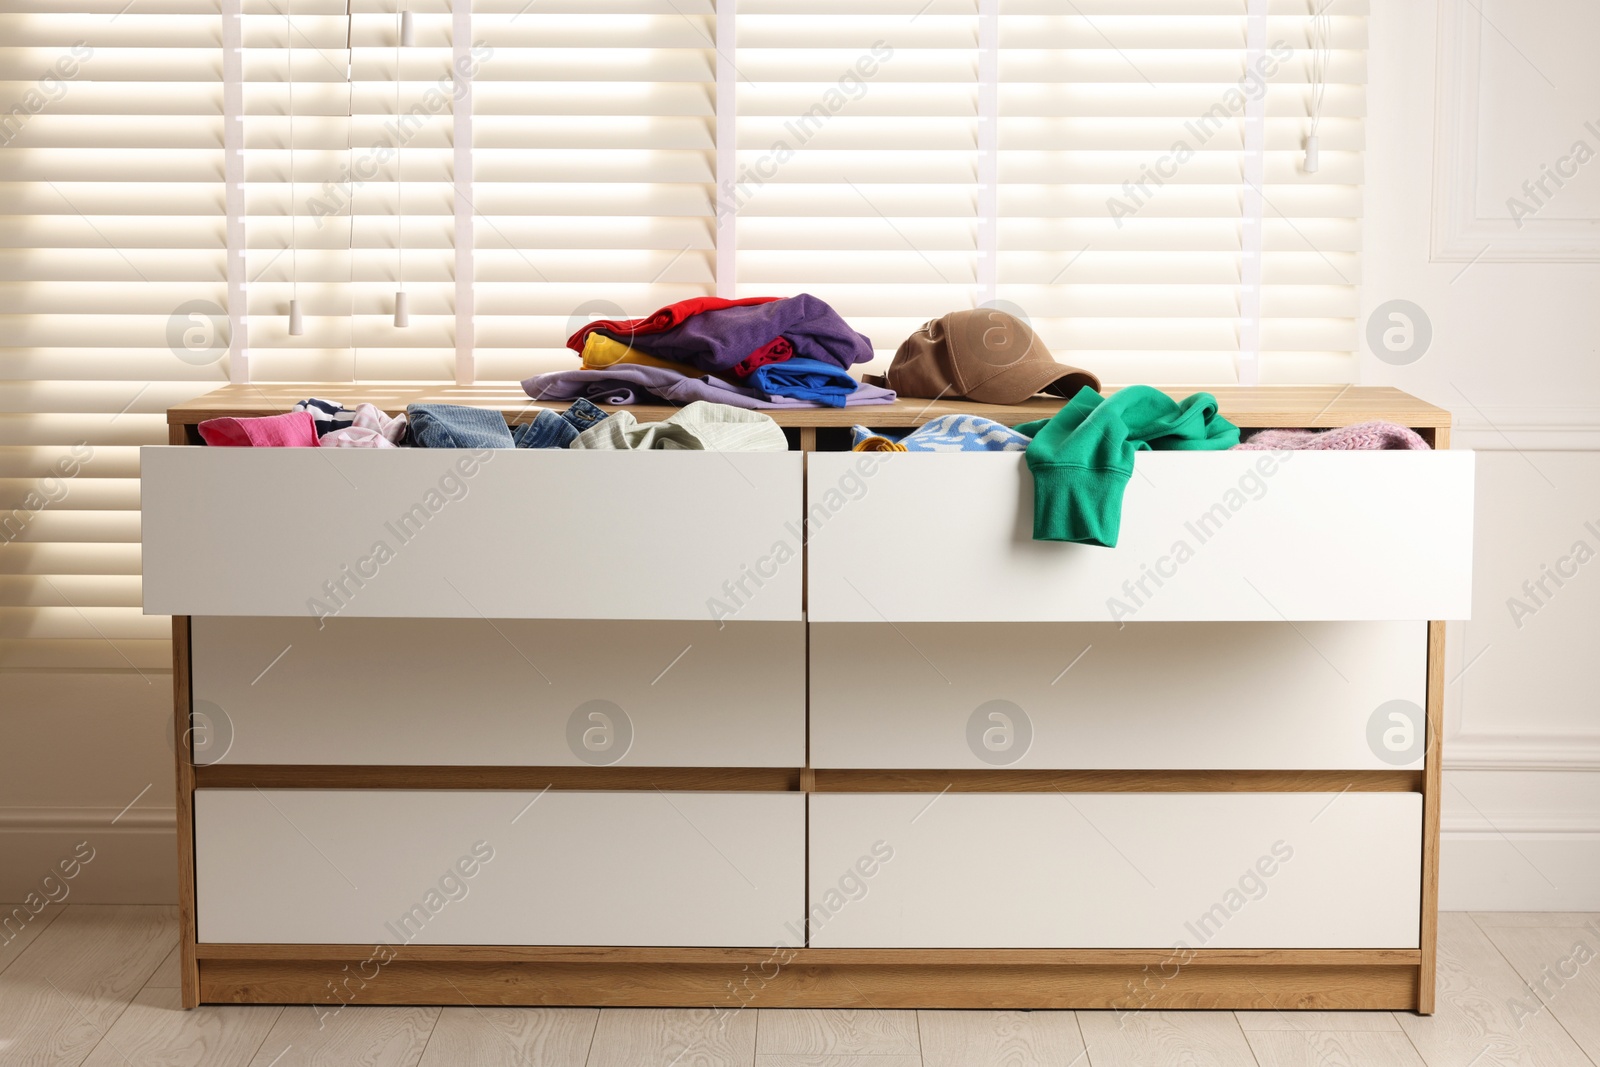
<point>600,352</point>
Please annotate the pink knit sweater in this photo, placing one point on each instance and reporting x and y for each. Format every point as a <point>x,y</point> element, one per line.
<point>1365,435</point>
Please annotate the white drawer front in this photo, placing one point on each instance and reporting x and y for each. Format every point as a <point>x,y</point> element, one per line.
<point>388,867</point>
<point>510,692</point>
<point>523,534</point>
<point>1204,536</point>
<point>1095,695</point>
<point>1124,870</point>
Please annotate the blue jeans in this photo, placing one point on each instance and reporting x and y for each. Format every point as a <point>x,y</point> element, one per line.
<point>553,429</point>
<point>457,426</point>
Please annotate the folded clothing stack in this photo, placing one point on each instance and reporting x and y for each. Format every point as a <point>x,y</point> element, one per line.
<point>757,352</point>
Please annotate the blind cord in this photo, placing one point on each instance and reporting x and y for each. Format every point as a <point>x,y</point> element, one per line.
<point>399,155</point>
<point>1320,33</point>
<point>296,324</point>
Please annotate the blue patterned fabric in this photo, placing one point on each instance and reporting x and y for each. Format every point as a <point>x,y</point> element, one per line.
<point>953,433</point>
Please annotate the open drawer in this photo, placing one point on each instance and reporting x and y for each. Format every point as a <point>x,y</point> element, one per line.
<point>497,534</point>
<point>1226,536</point>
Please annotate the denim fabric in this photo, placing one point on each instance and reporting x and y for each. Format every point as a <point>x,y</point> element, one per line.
<point>547,429</point>
<point>583,414</point>
<point>556,429</point>
<point>457,426</point>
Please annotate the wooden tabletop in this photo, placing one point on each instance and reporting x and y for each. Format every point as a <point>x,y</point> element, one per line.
<point>1290,406</point>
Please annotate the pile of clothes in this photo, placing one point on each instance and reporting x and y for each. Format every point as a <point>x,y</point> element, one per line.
<point>757,352</point>
<point>317,423</point>
<point>723,358</point>
<point>1082,457</point>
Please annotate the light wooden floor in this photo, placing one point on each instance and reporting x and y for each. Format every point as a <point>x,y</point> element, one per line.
<point>96,985</point>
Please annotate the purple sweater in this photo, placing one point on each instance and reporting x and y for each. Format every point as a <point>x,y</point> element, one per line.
<point>716,340</point>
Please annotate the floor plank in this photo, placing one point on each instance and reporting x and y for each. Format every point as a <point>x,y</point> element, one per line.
<point>1169,1038</point>
<point>155,1031</point>
<point>20,926</point>
<point>1326,1048</point>
<point>793,1060</point>
<point>364,1036</point>
<point>852,1032</point>
<point>680,1037</point>
<point>1562,963</point>
<point>60,996</point>
<point>1486,919</point>
<point>511,1037</point>
<point>167,975</point>
<point>1473,1022</point>
<point>1339,1021</point>
<point>999,1038</point>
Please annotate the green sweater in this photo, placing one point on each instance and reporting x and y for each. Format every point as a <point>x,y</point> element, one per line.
<point>1082,457</point>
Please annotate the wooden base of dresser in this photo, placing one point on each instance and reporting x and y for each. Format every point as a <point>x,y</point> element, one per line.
<point>328,977</point>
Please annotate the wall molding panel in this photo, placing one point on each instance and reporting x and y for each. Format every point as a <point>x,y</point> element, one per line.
<point>1459,233</point>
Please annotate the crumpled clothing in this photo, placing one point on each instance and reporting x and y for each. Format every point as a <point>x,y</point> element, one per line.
<point>457,426</point>
<point>292,429</point>
<point>555,429</point>
<point>369,427</point>
<point>1362,436</point>
<point>664,319</point>
<point>329,415</point>
<point>629,383</point>
<point>947,433</point>
<point>701,426</point>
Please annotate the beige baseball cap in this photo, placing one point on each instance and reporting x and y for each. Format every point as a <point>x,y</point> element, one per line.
<point>983,354</point>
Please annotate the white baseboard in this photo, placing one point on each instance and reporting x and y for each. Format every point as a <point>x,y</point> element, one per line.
<point>135,858</point>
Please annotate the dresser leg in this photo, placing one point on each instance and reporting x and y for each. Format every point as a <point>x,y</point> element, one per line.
<point>1431,783</point>
<point>188,966</point>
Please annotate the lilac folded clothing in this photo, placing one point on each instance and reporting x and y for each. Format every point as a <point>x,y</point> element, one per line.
<point>634,383</point>
<point>718,340</point>
<point>293,429</point>
<point>1362,436</point>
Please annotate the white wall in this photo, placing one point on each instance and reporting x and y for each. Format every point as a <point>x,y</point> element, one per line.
<point>1466,100</point>
<point>1460,112</point>
<point>84,756</point>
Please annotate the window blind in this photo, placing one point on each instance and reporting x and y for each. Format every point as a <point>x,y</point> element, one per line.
<point>1110,170</point>
<point>858,133</point>
<point>1123,193</point>
<point>111,278</point>
<point>594,155</point>
<point>369,125</point>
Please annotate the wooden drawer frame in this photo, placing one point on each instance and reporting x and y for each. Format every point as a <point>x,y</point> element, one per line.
<point>728,979</point>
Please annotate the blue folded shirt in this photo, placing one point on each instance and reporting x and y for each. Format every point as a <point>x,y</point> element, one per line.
<point>804,379</point>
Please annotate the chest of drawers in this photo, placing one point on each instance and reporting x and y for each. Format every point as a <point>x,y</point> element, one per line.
<point>813,728</point>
